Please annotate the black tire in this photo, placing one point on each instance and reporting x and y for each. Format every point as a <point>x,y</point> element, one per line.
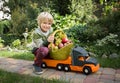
<point>67,68</point>
<point>44,65</point>
<point>59,67</point>
<point>87,70</point>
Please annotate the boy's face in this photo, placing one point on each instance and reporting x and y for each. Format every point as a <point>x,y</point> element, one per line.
<point>45,25</point>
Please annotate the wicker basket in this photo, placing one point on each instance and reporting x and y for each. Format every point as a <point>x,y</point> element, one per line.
<point>62,53</point>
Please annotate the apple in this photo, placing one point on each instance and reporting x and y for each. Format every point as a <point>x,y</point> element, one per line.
<point>65,44</point>
<point>55,48</point>
<point>64,40</point>
<point>60,45</point>
<point>51,45</point>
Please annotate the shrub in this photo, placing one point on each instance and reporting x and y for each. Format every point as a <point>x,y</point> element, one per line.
<point>9,38</point>
<point>16,43</point>
<point>64,22</point>
<point>5,26</point>
<point>76,33</point>
<point>1,42</point>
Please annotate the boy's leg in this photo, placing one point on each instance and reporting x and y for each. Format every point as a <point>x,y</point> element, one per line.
<point>40,54</point>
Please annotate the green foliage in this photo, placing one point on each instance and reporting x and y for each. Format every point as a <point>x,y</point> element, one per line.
<point>110,39</point>
<point>109,6</point>
<point>100,50</point>
<point>5,25</point>
<point>62,6</point>
<point>83,9</point>
<point>16,43</point>
<point>1,42</point>
<point>76,33</point>
<point>111,23</point>
<point>19,22</point>
<point>64,22</point>
<point>12,4</point>
<point>32,11</point>
<point>92,32</point>
<point>82,33</point>
<point>106,62</point>
<point>9,38</point>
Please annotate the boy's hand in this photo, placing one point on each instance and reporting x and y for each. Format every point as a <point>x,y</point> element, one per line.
<point>51,38</point>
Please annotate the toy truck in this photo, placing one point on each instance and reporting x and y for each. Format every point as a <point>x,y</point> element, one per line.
<point>79,60</point>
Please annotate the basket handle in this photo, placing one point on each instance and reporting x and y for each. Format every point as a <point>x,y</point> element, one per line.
<point>51,43</point>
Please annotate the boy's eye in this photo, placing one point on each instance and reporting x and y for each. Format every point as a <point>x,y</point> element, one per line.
<point>45,22</point>
<point>49,23</point>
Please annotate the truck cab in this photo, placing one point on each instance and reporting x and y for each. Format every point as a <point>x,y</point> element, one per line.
<point>81,60</point>
<point>80,57</point>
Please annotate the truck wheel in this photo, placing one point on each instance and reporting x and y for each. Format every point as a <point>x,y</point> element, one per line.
<point>67,68</point>
<point>59,67</point>
<point>43,65</point>
<point>87,70</point>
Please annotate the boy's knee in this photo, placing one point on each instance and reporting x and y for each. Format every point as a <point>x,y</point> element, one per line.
<point>43,50</point>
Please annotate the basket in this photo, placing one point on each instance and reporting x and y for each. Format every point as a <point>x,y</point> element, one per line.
<point>62,53</point>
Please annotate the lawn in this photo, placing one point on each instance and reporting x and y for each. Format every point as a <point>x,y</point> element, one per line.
<point>8,77</point>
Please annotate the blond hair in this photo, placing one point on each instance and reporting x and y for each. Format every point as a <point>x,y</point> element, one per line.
<point>43,16</point>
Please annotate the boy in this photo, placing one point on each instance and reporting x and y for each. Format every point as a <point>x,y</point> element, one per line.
<point>41,39</point>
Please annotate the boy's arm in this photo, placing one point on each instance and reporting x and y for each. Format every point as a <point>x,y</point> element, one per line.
<point>37,40</point>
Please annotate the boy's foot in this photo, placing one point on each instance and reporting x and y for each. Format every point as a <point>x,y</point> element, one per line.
<point>37,70</point>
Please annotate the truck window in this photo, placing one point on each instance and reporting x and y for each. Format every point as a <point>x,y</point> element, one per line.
<point>81,58</point>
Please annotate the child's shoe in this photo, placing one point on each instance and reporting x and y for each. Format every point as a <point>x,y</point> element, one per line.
<point>37,70</point>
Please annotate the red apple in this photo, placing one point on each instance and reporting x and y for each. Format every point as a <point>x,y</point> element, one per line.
<point>60,45</point>
<point>64,40</point>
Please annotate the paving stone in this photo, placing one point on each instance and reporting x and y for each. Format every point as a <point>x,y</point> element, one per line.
<point>109,71</point>
<point>76,80</point>
<point>118,71</point>
<point>90,80</point>
<point>79,76</point>
<point>94,75</point>
<point>27,71</point>
<point>47,73</point>
<point>117,77</point>
<point>69,76</point>
<point>105,81</point>
<point>116,81</point>
<point>107,76</point>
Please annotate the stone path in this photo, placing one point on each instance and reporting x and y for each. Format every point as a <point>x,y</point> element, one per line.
<point>104,75</point>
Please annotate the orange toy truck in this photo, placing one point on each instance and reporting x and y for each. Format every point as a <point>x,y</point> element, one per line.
<point>79,60</point>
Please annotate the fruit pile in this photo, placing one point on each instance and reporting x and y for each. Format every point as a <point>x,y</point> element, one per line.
<point>60,40</point>
<point>61,47</point>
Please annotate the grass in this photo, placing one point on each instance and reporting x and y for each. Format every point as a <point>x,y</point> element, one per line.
<point>17,55</point>
<point>104,62</point>
<point>8,77</point>
<point>107,62</point>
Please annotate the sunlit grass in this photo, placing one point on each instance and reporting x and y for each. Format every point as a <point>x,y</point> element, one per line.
<point>8,77</point>
<point>17,55</point>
